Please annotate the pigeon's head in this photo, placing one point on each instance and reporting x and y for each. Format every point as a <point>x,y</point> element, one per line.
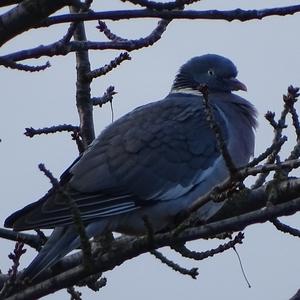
<point>216,72</point>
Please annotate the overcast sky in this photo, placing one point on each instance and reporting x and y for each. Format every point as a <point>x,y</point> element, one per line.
<point>267,55</point>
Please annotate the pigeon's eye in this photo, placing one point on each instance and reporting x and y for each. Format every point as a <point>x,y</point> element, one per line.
<point>211,72</point>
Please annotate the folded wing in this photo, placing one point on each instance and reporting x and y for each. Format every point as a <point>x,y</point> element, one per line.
<point>158,152</point>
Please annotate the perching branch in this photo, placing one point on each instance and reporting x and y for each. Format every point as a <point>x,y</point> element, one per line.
<point>125,249</point>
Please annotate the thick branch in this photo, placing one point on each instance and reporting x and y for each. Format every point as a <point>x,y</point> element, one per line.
<point>26,15</point>
<point>29,239</point>
<point>127,248</point>
<point>133,247</point>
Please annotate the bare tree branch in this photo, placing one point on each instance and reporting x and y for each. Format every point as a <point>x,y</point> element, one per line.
<point>13,271</point>
<point>110,35</point>
<point>83,87</point>
<point>59,48</point>
<point>174,266</point>
<point>31,132</point>
<point>222,147</point>
<point>126,249</point>
<point>285,228</point>
<point>109,67</point>
<point>240,175</point>
<point>84,241</point>
<point>21,67</point>
<point>178,4</point>
<point>262,203</point>
<point>75,295</point>
<point>33,241</point>
<point>107,97</point>
<point>228,15</point>
<point>185,252</point>
<point>276,146</point>
<point>25,16</point>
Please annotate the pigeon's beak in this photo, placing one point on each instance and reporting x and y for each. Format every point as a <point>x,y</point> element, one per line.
<point>236,85</point>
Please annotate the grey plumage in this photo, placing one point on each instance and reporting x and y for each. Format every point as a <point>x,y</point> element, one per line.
<point>154,161</point>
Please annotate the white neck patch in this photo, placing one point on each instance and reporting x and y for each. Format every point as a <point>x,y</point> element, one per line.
<point>188,91</point>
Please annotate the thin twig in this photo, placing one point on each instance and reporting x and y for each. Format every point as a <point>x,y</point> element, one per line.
<point>73,26</point>
<point>59,48</point>
<point>107,97</point>
<point>270,116</point>
<point>285,228</point>
<point>13,271</point>
<point>31,132</point>
<point>94,282</point>
<point>185,252</point>
<point>192,272</point>
<point>97,284</point>
<point>85,244</point>
<point>275,147</point>
<point>278,128</point>
<point>75,295</point>
<point>293,94</point>
<point>240,175</point>
<point>107,68</point>
<point>295,153</point>
<point>217,131</point>
<point>106,31</point>
<point>22,67</point>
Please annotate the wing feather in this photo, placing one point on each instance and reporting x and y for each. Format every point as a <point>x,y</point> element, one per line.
<point>158,152</point>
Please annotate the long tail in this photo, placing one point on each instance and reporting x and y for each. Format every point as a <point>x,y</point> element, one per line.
<point>62,241</point>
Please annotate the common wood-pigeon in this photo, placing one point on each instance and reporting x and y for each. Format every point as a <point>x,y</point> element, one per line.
<point>154,162</point>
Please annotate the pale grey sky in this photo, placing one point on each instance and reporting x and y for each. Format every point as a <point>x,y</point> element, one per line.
<point>267,56</point>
